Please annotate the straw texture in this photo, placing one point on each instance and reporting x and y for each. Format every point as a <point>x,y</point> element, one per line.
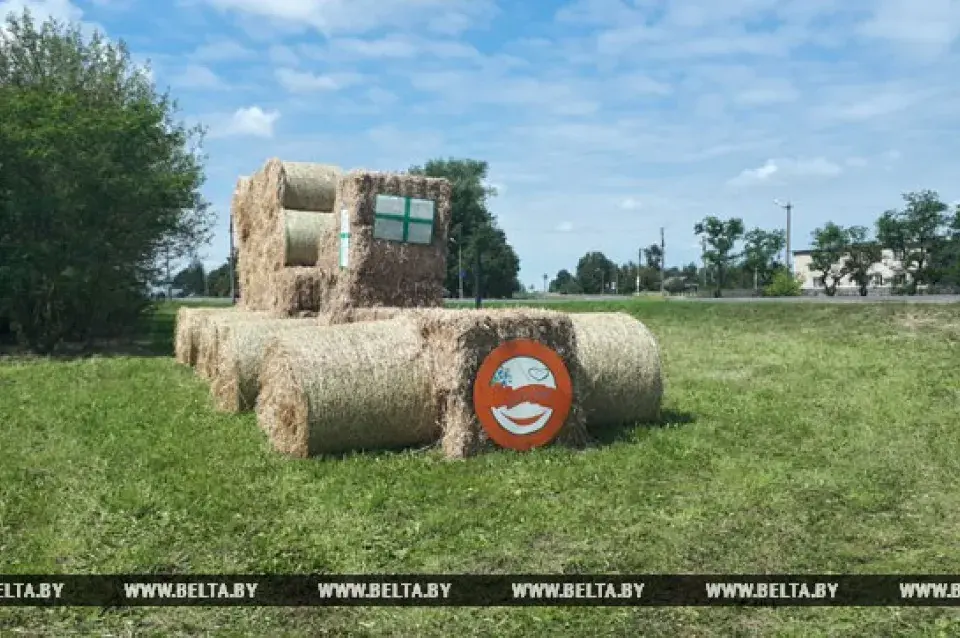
<point>351,387</point>
<point>206,337</point>
<point>458,341</point>
<point>381,272</point>
<point>241,345</point>
<point>297,292</point>
<point>305,186</point>
<point>303,230</point>
<point>278,197</point>
<point>186,340</point>
<point>623,381</point>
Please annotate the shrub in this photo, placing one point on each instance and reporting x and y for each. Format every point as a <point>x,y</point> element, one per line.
<point>783,285</point>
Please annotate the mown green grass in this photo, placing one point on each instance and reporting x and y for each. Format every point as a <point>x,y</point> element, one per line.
<point>809,438</point>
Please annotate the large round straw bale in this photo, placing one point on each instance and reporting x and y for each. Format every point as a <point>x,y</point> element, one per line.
<point>307,186</point>
<point>350,387</point>
<point>621,369</point>
<point>186,338</point>
<point>303,231</point>
<point>207,337</point>
<point>241,344</point>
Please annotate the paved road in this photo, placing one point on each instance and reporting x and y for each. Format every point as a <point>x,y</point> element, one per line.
<point>920,299</point>
<point>904,299</point>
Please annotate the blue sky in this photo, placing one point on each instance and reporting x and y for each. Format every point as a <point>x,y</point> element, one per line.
<point>602,120</point>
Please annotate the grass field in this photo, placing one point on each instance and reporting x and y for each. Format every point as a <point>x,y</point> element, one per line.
<point>806,438</point>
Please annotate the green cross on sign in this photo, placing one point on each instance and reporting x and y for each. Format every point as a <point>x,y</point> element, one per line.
<point>403,219</point>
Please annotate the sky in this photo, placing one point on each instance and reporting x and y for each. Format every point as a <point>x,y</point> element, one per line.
<point>602,120</point>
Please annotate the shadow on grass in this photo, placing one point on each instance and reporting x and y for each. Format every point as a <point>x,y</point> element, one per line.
<point>152,337</point>
<point>625,431</point>
<point>607,436</point>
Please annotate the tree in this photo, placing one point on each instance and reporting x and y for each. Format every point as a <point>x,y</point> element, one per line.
<point>470,216</point>
<point>499,266</point>
<point>653,256</point>
<point>218,280</point>
<point>830,247</point>
<point>862,255</point>
<point>945,262</point>
<point>97,176</point>
<point>192,279</point>
<point>594,272</point>
<point>721,237</point>
<point>565,283</point>
<point>914,234</point>
<point>760,252</point>
<point>627,275</point>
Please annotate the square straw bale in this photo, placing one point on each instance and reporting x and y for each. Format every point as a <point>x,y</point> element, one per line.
<point>457,343</point>
<point>384,264</point>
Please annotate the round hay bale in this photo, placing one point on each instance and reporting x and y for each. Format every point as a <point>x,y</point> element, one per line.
<point>186,337</point>
<point>621,369</point>
<point>240,348</point>
<point>307,186</point>
<point>350,387</point>
<point>207,337</point>
<point>303,232</point>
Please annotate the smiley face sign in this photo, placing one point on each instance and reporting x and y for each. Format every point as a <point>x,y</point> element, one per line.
<point>522,394</point>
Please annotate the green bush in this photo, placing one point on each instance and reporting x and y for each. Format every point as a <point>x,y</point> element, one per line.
<point>783,285</point>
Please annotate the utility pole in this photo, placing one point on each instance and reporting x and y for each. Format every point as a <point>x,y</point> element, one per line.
<point>476,279</point>
<point>169,281</point>
<point>460,266</point>
<point>457,241</point>
<point>663,260</point>
<point>789,208</point>
<point>545,278</point>
<point>703,260</point>
<point>639,266</point>
<point>603,280</point>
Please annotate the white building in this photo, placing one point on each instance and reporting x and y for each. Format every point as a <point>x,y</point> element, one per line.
<point>883,274</point>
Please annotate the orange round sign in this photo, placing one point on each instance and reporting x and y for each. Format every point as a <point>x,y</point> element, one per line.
<point>522,394</point>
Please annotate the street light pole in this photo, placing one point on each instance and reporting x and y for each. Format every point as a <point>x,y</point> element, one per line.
<point>789,208</point>
<point>459,265</point>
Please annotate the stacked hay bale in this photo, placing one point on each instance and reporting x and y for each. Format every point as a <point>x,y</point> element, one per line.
<point>622,375</point>
<point>397,382</point>
<point>239,353</point>
<point>457,343</point>
<point>389,247</point>
<point>240,346</point>
<point>206,330</point>
<point>186,341</point>
<point>285,209</point>
<point>358,386</point>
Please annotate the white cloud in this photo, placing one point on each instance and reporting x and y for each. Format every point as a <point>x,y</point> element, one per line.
<point>629,204</point>
<point>362,16</point>
<point>197,76</point>
<point>931,25</point>
<point>283,55</point>
<point>306,82</point>
<point>223,51</point>
<point>249,122</point>
<point>62,10</point>
<point>564,227</point>
<point>786,168</point>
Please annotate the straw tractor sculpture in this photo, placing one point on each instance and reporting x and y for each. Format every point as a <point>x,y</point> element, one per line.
<point>341,342</point>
